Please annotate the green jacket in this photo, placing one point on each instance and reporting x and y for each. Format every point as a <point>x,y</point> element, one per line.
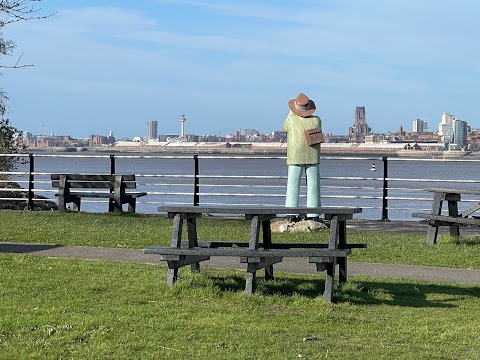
<point>298,151</point>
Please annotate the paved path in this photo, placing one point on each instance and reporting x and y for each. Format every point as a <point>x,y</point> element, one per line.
<point>296,265</point>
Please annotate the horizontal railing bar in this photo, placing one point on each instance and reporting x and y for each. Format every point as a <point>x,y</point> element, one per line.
<point>433,160</point>
<point>433,180</point>
<point>408,198</point>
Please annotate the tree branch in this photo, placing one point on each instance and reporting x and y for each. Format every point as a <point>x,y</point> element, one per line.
<point>16,66</point>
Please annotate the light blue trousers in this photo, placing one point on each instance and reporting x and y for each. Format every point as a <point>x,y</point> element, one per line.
<point>313,186</point>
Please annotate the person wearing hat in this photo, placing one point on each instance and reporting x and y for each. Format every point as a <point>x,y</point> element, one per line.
<point>300,155</point>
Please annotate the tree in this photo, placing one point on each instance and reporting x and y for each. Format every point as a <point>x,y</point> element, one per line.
<point>10,143</point>
<point>10,12</point>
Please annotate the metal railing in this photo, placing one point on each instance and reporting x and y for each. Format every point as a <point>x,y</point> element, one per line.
<point>250,180</point>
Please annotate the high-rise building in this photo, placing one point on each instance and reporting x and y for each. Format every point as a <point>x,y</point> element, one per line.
<point>419,126</point>
<point>446,122</point>
<point>152,129</point>
<point>460,134</point>
<point>360,127</point>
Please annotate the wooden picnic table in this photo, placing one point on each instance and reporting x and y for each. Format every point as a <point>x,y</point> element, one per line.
<point>257,255</point>
<point>454,219</point>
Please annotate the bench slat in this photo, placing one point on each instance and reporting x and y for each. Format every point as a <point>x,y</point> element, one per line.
<point>248,252</point>
<point>93,177</point>
<point>242,244</point>
<point>104,195</point>
<point>448,219</point>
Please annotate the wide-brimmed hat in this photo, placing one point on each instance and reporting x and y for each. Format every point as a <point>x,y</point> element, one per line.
<point>302,105</point>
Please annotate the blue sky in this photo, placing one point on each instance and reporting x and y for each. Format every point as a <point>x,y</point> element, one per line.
<point>229,65</point>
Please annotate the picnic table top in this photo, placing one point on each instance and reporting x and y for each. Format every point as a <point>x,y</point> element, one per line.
<point>454,191</point>
<point>259,210</point>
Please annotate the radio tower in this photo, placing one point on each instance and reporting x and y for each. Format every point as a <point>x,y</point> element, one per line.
<point>182,126</point>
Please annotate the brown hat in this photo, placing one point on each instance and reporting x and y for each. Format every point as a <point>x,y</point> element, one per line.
<point>302,105</point>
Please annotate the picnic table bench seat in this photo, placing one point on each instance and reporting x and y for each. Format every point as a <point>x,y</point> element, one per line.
<point>73,187</point>
<point>454,219</point>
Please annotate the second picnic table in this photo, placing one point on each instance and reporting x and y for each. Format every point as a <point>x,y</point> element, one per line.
<point>256,254</point>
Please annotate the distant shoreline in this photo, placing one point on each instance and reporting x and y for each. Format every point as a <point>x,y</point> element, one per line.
<point>256,151</point>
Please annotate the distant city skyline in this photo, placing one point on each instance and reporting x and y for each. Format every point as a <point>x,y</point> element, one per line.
<point>110,65</point>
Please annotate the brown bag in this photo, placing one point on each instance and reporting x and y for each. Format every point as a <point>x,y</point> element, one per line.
<point>314,136</point>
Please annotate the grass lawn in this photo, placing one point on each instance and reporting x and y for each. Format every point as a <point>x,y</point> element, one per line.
<point>67,308</point>
<point>63,308</point>
<point>138,231</point>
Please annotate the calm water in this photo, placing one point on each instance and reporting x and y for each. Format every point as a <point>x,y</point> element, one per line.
<point>248,180</point>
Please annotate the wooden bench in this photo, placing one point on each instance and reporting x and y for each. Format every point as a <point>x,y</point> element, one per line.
<point>454,219</point>
<point>257,255</point>
<point>73,187</point>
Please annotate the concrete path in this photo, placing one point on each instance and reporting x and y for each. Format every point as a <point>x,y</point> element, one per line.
<point>296,265</point>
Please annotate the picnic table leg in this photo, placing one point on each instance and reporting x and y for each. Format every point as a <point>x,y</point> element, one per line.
<point>250,279</point>
<point>453,211</point>
<point>330,277</point>
<point>436,210</point>
<point>253,244</point>
<point>172,273</point>
<point>267,244</point>
<point>342,244</point>
<point>192,240</point>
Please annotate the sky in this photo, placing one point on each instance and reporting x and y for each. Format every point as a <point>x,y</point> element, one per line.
<point>101,66</point>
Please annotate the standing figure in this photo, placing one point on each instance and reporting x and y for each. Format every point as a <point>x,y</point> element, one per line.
<point>301,155</point>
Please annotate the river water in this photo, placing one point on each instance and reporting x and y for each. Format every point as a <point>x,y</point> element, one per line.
<point>345,181</point>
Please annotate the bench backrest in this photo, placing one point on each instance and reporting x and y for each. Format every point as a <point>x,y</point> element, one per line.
<point>93,181</point>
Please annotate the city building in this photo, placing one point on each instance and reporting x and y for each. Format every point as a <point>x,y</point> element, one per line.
<point>419,126</point>
<point>152,129</point>
<point>459,140</point>
<point>360,127</point>
<point>445,123</point>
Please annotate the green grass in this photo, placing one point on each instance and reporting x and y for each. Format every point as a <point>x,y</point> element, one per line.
<point>64,308</point>
<point>138,231</point>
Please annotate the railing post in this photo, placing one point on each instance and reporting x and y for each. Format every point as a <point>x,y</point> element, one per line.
<point>111,203</point>
<point>385,189</point>
<point>112,164</point>
<point>31,179</point>
<point>196,182</point>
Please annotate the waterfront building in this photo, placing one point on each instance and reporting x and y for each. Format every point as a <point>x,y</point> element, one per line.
<point>459,135</point>
<point>360,127</point>
<point>152,129</point>
<point>419,126</point>
<point>445,123</point>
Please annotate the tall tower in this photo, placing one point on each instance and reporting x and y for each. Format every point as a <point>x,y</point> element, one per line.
<point>360,127</point>
<point>182,126</point>
<point>152,129</point>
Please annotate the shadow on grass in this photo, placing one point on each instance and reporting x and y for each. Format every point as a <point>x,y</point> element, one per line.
<point>359,292</point>
<point>25,248</point>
